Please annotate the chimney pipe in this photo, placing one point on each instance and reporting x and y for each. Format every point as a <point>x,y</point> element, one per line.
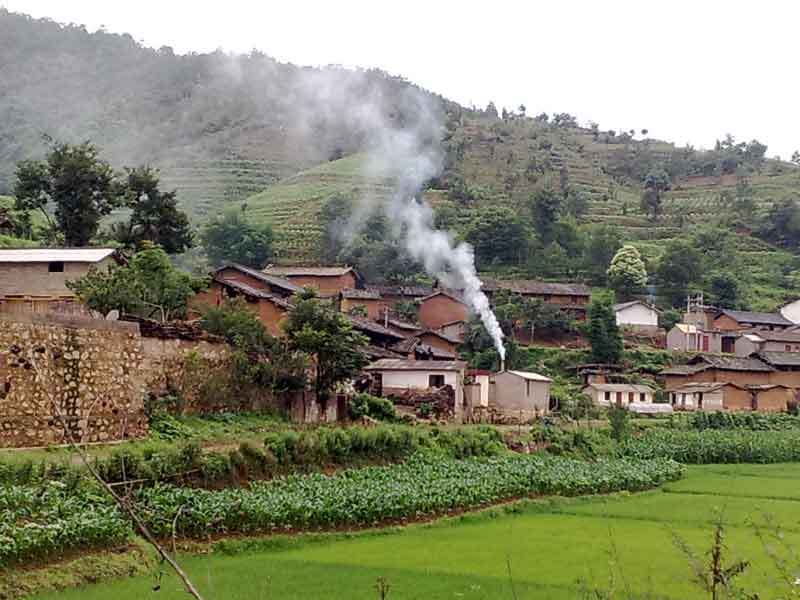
<point>502,365</point>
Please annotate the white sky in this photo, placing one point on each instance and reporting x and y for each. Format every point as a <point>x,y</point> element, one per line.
<point>689,71</point>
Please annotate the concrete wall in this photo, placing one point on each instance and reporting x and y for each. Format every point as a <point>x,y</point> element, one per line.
<point>691,342</point>
<point>440,309</point>
<point>513,395</point>
<point>599,397</point>
<point>34,279</point>
<point>86,370</point>
<point>637,315</point>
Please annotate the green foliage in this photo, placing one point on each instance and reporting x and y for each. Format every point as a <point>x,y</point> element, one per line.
<point>754,421</point>
<point>155,216</point>
<point>726,290</point>
<point>603,333</point>
<point>75,183</point>
<point>148,286</point>
<point>669,318</point>
<point>679,270</point>
<point>620,420</point>
<point>365,405</point>
<point>419,486</point>
<point>655,184</point>
<point>715,446</point>
<point>626,273</point>
<point>231,238</point>
<point>602,244</point>
<point>545,210</point>
<point>498,236</point>
<point>326,335</point>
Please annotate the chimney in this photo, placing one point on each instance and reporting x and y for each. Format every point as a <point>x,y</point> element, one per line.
<point>502,365</point>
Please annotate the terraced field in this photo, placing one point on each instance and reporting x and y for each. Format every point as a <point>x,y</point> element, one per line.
<point>542,549</point>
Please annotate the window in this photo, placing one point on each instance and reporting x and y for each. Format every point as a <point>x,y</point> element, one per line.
<point>55,267</point>
<point>788,347</point>
<point>642,397</point>
<point>607,396</point>
<point>435,381</point>
<point>630,397</point>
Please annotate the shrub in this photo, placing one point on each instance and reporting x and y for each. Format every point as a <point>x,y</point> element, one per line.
<point>743,420</point>
<point>620,420</point>
<point>366,405</point>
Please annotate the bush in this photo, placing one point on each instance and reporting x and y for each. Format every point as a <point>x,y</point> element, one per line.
<point>620,420</point>
<point>715,446</point>
<point>744,420</point>
<point>365,405</point>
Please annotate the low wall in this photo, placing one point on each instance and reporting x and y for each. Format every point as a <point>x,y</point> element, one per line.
<point>84,370</point>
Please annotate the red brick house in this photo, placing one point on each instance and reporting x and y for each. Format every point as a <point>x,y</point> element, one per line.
<point>328,281</point>
<point>740,320</point>
<point>442,307</point>
<point>573,298</point>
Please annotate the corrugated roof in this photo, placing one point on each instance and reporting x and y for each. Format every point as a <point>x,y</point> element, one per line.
<point>400,364</point>
<point>780,359</point>
<point>278,282</point>
<point>621,387</point>
<point>531,286</point>
<point>35,255</point>
<point>759,318</point>
<point>528,375</point>
<point>315,271</point>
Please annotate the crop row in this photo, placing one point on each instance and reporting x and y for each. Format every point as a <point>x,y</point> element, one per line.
<point>48,520</point>
<point>715,446</point>
<point>744,420</point>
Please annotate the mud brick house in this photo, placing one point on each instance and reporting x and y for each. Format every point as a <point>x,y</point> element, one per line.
<point>750,342</point>
<point>328,281</point>
<point>392,294</point>
<point>368,298</point>
<point>571,297</point>
<point>382,341</point>
<point>786,367</point>
<point>740,320</point>
<point>519,395</point>
<point>34,280</point>
<point>711,396</point>
<point>438,340</point>
<point>688,337</point>
<point>269,297</point>
<point>442,307</point>
<point>710,368</point>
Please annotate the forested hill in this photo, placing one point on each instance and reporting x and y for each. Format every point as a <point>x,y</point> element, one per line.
<point>242,131</point>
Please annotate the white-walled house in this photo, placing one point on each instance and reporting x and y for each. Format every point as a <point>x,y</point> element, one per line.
<point>754,341</point>
<point>636,315</point>
<point>619,394</point>
<point>520,395</point>
<point>400,375</point>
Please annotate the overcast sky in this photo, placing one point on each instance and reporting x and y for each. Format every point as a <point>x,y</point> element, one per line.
<point>689,71</point>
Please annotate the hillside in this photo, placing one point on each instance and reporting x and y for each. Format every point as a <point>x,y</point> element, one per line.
<point>247,130</point>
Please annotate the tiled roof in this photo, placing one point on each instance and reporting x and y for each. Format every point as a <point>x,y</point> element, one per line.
<point>415,291</point>
<point>759,318</point>
<point>621,387</point>
<point>731,363</point>
<point>426,350</point>
<point>363,324</point>
<point>405,346</point>
<point>247,290</point>
<point>33,255</point>
<point>452,294</point>
<point>624,305</point>
<point>397,364</point>
<point>683,369</point>
<point>315,271</point>
<point>780,359</point>
<point>376,352</point>
<point>776,336</point>
<point>440,335</point>
<point>405,325</point>
<point>531,286</point>
<point>278,282</point>
<point>365,294</point>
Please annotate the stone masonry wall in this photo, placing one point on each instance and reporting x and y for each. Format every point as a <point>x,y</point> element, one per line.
<point>88,368</point>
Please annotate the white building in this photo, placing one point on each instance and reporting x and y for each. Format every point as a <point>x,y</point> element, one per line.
<point>520,394</point>
<point>636,315</point>
<point>792,311</point>
<point>619,394</point>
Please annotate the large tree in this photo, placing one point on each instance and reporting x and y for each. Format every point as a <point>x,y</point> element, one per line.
<point>603,332</point>
<point>679,269</point>
<point>498,236</point>
<point>232,238</point>
<point>75,184</point>
<point>602,245</point>
<point>545,210</point>
<point>155,216</point>
<point>327,336</point>
<point>655,184</point>
<point>627,274</point>
<point>148,286</point>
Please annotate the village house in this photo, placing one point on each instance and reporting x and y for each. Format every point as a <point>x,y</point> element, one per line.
<point>368,298</point>
<point>398,326</point>
<point>455,330</point>
<point>637,316</point>
<point>519,395</point>
<point>34,279</point>
<point>750,342</point>
<point>689,337</point>
<point>394,294</point>
<point>572,298</point>
<point>712,368</point>
<point>716,396</point>
<point>619,394</point>
<point>438,340</point>
<point>328,281</point>
<point>740,320</point>
<point>404,377</point>
<point>786,367</point>
<point>442,307</point>
<point>381,339</point>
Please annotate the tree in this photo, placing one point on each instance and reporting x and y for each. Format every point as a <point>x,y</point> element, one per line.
<point>744,203</point>
<point>498,236</point>
<point>80,187</point>
<point>679,268</point>
<point>602,244</point>
<point>726,290</point>
<point>655,184</point>
<point>627,274</point>
<point>491,110</point>
<point>232,238</point>
<point>576,203</point>
<point>545,209</point>
<point>327,336</point>
<point>155,215</point>
<point>148,286</point>
<point>796,157</point>
<point>603,332</point>
<point>782,225</point>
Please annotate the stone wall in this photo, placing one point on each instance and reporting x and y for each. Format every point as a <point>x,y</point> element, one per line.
<point>85,370</point>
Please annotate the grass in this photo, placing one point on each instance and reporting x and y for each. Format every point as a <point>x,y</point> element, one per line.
<point>549,545</point>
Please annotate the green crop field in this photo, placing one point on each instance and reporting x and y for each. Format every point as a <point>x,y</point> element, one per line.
<point>551,548</point>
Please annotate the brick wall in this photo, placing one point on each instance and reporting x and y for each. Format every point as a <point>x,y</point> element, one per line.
<point>439,310</point>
